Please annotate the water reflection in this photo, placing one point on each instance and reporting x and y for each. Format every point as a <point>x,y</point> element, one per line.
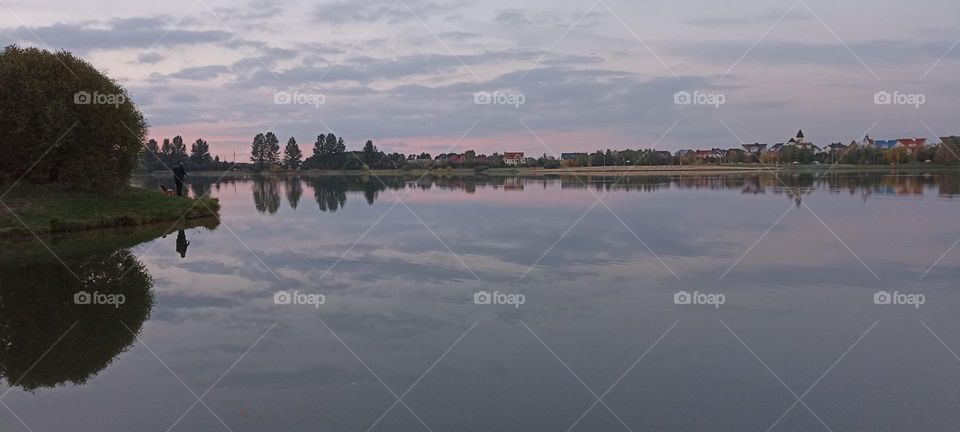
<point>330,192</point>
<point>39,296</point>
<point>294,189</point>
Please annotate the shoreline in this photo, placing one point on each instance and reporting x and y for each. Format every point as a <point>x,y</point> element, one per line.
<point>608,170</point>
<point>49,210</point>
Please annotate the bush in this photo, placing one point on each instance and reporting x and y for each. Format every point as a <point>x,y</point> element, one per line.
<point>77,125</point>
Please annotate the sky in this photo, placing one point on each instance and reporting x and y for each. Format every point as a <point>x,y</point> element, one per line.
<point>537,76</point>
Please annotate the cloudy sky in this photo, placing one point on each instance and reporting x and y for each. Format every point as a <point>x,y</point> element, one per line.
<point>589,73</point>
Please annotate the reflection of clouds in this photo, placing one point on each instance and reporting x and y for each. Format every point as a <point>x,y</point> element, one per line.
<point>399,299</point>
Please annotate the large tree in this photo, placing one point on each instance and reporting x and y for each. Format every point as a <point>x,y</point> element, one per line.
<point>292,157</point>
<point>63,121</point>
<point>200,154</point>
<point>258,151</point>
<point>179,149</point>
<point>271,149</point>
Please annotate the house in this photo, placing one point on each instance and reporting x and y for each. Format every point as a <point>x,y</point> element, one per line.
<point>703,154</point>
<point>801,141</point>
<point>513,158</point>
<point>912,144</point>
<point>884,144</point>
<point>684,153</point>
<point>837,147</point>
<point>755,149</point>
<point>777,147</point>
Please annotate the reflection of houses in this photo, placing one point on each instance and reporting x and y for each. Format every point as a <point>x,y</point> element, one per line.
<point>513,184</point>
<point>513,158</point>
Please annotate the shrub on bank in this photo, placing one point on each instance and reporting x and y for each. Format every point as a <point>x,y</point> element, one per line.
<point>65,122</point>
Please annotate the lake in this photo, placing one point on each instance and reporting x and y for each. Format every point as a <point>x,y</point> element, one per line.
<point>790,302</point>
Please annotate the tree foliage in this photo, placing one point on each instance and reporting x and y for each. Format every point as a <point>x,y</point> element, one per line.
<point>63,121</point>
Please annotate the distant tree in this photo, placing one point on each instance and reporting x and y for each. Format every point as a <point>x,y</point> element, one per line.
<point>151,156</point>
<point>272,149</point>
<point>179,149</point>
<point>153,147</point>
<point>258,151</point>
<point>470,156</point>
<point>948,152</point>
<point>167,148</point>
<point>370,155</point>
<point>200,154</point>
<point>292,157</point>
<point>895,155</point>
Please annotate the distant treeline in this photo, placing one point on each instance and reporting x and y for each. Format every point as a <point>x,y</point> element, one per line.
<point>329,152</point>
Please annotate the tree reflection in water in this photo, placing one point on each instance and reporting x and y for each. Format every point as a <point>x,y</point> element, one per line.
<point>38,310</point>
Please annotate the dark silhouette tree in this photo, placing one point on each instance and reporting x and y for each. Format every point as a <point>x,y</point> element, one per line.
<point>271,149</point>
<point>258,153</point>
<point>292,157</point>
<point>200,154</point>
<point>179,149</point>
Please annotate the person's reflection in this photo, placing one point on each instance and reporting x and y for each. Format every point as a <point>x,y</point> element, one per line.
<point>182,243</point>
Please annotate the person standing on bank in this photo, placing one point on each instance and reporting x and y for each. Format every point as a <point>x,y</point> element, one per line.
<point>178,175</point>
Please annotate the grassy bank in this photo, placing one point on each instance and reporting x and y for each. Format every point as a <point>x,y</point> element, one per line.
<point>50,209</point>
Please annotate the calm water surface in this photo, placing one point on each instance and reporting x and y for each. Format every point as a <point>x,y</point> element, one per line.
<point>599,343</point>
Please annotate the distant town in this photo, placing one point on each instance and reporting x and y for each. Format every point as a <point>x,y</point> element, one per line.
<point>329,152</point>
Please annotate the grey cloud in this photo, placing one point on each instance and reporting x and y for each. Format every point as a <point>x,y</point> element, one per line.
<point>114,34</point>
<point>877,53</point>
<point>183,98</point>
<point>367,69</point>
<point>764,19</point>
<point>149,58</point>
<point>337,12</point>
<point>200,73</point>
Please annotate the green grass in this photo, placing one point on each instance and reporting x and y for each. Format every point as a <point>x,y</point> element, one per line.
<point>51,209</point>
